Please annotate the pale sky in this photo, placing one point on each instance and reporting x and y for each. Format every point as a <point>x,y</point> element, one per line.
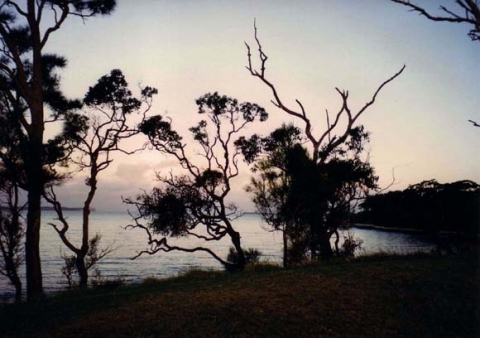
<point>189,48</point>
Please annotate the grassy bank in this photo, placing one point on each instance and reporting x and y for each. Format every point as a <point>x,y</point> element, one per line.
<point>373,297</point>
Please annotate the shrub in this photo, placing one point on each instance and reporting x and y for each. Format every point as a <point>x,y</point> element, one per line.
<point>252,257</point>
<point>350,245</point>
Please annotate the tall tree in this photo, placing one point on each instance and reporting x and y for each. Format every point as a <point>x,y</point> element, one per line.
<point>341,135</point>
<point>196,203</point>
<point>95,136</point>
<point>308,201</point>
<point>25,28</point>
<point>271,187</point>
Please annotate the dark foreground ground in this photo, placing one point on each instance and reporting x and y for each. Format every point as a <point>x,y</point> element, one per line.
<point>418,296</point>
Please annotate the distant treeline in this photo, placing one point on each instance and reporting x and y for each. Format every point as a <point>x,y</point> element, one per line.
<point>428,205</point>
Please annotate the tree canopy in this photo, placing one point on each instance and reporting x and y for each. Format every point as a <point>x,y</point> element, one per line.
<point>195,203</point>
<point>321,179</point>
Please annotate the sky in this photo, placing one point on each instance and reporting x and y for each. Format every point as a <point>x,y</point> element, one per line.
<point>187,48</point>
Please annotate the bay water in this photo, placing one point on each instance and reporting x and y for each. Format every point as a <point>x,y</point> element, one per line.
<point>128,242</point>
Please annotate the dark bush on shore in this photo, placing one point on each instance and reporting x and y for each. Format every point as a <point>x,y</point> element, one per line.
<point>252,257</point>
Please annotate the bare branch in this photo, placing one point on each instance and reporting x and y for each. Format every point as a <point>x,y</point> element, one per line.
<point>470,15</point>
<point>475,124</point>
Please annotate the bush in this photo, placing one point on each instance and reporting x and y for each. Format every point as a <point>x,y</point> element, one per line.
<point>350,245</point>
<point>252,257</point>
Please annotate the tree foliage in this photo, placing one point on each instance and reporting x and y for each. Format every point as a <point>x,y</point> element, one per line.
<point>28,83</point>
<point>308,201</point>
<point>95,136</point>
<point>195,203</point>
<point>311,188</point>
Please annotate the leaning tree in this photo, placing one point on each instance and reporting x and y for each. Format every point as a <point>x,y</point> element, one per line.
<point>111,115</point>
<point>332,174</point>
<point>195,203</point>
<point>25,29</point>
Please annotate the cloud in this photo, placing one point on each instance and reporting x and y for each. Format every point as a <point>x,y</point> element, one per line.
<point>137,170</point>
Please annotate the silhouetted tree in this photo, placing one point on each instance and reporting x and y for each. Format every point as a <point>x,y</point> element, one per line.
<point>271,187</point>
<point>98,133</point>
<point>325,182</point>
<point>27,81</point>
<point>460,11</point>
<point>12,231</point>
<point>195,203</point>
<point>293,192</point>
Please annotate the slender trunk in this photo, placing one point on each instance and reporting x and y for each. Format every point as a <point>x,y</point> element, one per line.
<point>35,177</point>
<point>32,247</point>
<point>34,162</point>
<point>313,242</point>
<point>80,262</point>
<point>325,247</point>
<point>17,283</point>
<point>11,269</point>
<point>241,255</point>
<point>36,180</point>
<point>82,270</point>
<point>285,247</point>
<point>337,240</point>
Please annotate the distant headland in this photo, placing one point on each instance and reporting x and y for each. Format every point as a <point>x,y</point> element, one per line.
<point>66,209</point>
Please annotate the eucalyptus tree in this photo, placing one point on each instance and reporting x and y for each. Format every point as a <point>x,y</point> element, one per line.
<point>27,81</point>
<point>194,202</point>
<point>111,115</point>
<point>330,173</point>
<point>292,192</point>
<point>271,186</point>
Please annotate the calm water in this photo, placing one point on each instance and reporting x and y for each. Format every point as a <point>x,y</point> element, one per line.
<point>128,242</point>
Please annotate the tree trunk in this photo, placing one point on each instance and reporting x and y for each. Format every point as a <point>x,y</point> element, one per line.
<point>313,242</point>
<point>32,246</point>
<point>17,283</point>
<point>82,270</point>
<point>11,268</point>
<point>337,240</point>
<point>325,247</point>
<point>33,156</point>
<point>34,163</point>
<point>241,255</point>
<point>285,248</point>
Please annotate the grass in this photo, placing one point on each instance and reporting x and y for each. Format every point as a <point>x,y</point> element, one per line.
<point>378,296</point>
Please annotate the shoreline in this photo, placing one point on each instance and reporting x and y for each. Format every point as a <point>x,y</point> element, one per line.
<point>367,226</point>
